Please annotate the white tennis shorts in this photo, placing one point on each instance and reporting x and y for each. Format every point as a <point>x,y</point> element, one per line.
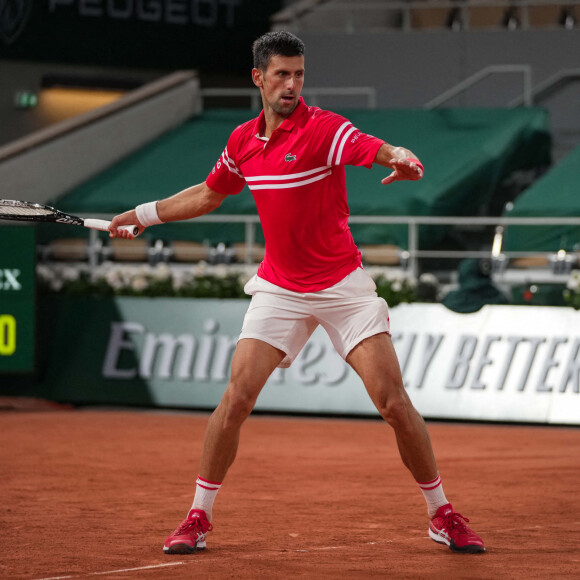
<point>349,311</point>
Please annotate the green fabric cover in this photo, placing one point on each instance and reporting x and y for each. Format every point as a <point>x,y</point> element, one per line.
<point>556,194</point>
<point>475,290</point>
<point>466,153</point>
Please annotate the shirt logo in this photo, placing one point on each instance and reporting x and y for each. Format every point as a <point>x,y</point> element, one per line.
<point>290,157</point>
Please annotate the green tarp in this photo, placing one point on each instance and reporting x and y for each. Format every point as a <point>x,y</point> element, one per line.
<point>476,288</point>
<point>466,153</point>
<point>556,194</point>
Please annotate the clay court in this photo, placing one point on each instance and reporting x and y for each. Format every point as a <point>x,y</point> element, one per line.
<point>95,493</point>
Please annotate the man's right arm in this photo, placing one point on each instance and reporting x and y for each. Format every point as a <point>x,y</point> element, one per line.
<point>190,203</point>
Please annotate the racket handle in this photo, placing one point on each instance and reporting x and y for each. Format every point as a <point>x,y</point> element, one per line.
<point>103,225</point>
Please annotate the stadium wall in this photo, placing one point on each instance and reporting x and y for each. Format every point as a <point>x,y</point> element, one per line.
<point>410,69</point>
<point>503,363</point>
<point>49,162</point>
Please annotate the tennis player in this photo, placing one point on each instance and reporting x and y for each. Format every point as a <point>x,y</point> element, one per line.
<point>292,158</point>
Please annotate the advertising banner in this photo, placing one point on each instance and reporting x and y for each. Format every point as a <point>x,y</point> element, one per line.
<point>503,363</point>
<point>17,299</point>
<point>166,34</point>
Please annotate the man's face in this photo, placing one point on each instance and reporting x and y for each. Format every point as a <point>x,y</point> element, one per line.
<point>281,83</point>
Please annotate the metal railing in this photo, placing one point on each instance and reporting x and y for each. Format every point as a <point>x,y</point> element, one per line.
<point>464,85</point>
<point>548,87</point>
<point>530,95</point>
<point>413,253</point>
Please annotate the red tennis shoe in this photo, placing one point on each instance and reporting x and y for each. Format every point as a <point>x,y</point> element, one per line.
<point>189,537</point>
<point>450,528</point>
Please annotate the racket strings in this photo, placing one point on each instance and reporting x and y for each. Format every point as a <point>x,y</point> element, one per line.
<point>16,211</point>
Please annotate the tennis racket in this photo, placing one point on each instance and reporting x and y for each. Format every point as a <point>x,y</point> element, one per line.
<point>34,212</point>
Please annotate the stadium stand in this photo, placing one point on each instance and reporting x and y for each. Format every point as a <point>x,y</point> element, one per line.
<point>468,153</point>
<point>418,15</point>
<point>184,251</point>
<point>553,195</point>
<point>67,249</point>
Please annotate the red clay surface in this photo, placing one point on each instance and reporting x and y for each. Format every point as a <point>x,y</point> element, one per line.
<point>95,493</point>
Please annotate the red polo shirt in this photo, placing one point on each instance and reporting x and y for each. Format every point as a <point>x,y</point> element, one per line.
<point>298,182</point>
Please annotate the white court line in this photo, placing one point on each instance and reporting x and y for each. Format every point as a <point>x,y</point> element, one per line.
<point>114,571</point>
<point>322,548</point>
<point>344,547</point>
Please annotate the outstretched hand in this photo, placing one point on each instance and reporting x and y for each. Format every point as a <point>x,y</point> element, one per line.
<point>404,169</point>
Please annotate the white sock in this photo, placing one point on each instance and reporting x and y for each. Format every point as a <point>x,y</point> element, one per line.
<point>433,494</point>
<point>205,494</point>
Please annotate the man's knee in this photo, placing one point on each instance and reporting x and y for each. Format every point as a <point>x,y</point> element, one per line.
<point>398,412</point>
<point>237,405</point>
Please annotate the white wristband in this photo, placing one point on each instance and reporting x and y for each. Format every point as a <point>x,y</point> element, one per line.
<point>147,214</point>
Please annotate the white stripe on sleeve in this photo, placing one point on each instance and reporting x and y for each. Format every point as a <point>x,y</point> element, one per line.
<point>230,164</point>
<point>348,134</point>
<point>335,141</point>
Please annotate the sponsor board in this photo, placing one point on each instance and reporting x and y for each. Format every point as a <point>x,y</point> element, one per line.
<point>17,299</point>
<point>509,363</point>
<point>166,34</point>
<point>503,363</point>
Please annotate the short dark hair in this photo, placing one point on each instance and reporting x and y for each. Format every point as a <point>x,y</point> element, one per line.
<point>275,43</point>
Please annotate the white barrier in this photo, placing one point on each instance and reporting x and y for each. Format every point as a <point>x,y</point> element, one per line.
<point>503,363</point>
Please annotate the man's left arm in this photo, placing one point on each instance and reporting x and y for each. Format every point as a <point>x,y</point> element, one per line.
<point>403,162</point>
